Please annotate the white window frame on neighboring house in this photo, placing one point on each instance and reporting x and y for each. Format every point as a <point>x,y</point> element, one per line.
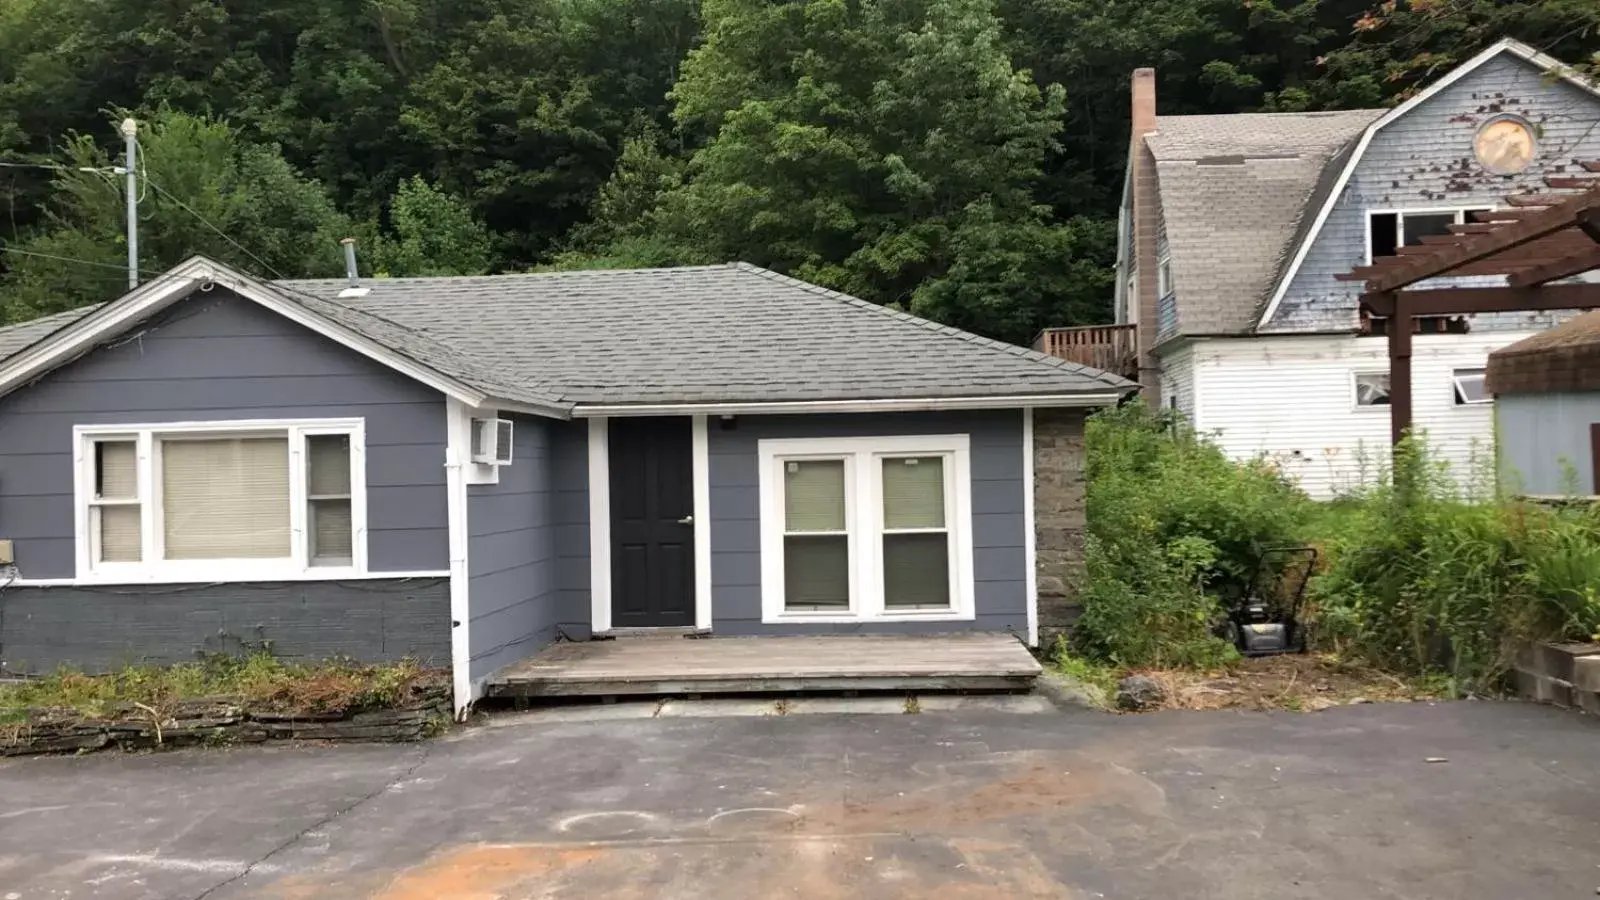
<point>148,439</point>
<point>1164,275</point>
<point>1355,389</point>
<point>1456,392</point>
<point>862,458</point>
<point>1460,212</point>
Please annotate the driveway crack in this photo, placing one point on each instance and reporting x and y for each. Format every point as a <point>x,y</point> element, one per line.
<point>422,757</point>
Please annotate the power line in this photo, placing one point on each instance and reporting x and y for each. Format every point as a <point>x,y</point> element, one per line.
<point>102,170</point>
<point>220,233</point>
<point>120,271</point>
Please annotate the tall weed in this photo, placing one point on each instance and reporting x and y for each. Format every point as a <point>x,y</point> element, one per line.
<point>1423,576</point>
<point>1173,525</point>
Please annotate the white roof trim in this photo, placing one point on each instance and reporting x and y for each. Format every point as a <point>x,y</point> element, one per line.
<point>893,404</point>
<point>172,286</point>
<point>1505,45</point>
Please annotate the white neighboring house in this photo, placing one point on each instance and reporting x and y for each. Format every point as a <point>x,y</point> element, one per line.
<point>1236,226</point>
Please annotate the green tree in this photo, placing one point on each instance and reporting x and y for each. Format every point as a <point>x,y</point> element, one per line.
<point>1399,46</point>
<point>889,150</point>
<point>201,182</point>
<point>431,233</point>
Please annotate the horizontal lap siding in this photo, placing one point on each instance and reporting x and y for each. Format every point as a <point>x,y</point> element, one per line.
<point>99,629</point>
<point>214,357</point>
<point>999,524</point>
<point>1276,396</point>
<point>569,467</point>
<point>511,556</point>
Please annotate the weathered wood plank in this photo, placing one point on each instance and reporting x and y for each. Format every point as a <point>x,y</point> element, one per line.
<point>771,664</point>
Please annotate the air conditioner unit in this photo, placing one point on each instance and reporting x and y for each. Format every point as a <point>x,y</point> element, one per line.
<point>491,441</point>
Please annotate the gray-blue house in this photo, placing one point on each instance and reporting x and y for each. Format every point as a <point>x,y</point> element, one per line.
<point>464,470</point>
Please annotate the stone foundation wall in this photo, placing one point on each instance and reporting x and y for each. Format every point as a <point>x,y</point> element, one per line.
<point>1058,488</point>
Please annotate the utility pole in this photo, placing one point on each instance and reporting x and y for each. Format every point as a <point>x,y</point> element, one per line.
<point>130,134</point>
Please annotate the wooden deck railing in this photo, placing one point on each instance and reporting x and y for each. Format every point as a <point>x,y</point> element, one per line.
<point>1113,348</point>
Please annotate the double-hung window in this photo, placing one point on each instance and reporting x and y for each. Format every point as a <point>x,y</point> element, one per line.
<point>866,528</point>
<point>221,500</point>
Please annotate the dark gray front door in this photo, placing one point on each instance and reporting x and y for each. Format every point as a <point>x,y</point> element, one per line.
<point>652,530</point>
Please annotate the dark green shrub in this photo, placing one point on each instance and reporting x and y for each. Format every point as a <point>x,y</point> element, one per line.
<point>1173,524</point>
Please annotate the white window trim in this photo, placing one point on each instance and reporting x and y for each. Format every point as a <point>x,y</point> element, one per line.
<point>862,484</point>
<point>153,569</point>
<point>1164,275</point>
<point>1455,387</point>
<point>1400,219</point>
<point>1355,390</point>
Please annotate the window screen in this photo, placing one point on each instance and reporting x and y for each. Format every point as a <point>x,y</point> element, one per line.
<point>816,542</point>
<point>916,539</point>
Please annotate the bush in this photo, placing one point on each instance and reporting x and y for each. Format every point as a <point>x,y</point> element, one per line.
<point>1423,577</point>
<point>1173,525</point>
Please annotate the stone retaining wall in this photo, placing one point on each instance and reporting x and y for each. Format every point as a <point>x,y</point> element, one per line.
<point>1566,675</point>
<point>1059,521</point>
<point>218,720</point>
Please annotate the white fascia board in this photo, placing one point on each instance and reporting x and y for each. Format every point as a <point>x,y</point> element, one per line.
<point>911,404</point>
<point>178,283</point>
<point>1506,45</point>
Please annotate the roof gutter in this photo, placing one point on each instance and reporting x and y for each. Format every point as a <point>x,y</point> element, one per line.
<point>893,404</point>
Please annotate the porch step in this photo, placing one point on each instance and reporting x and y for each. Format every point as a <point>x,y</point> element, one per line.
<point>765,665</point>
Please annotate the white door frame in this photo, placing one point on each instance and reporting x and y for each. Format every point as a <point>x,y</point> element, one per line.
<point>600,523</point>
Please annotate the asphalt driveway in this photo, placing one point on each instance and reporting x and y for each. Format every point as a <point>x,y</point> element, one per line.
<point>1339,804</point>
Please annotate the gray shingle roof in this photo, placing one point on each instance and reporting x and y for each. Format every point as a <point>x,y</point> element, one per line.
<point>728,333</point>
<point>1236,191</point>
<point>23,334</point>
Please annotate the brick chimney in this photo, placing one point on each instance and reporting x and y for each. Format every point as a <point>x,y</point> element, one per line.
<point>1146,215</point>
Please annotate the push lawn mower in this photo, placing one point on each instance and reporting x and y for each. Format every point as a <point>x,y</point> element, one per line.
<point>1266,619</point>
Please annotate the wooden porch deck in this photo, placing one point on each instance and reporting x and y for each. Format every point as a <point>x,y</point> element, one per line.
<point>752,665</point>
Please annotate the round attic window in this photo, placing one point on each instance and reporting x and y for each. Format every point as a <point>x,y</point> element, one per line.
<point>1504,146</point>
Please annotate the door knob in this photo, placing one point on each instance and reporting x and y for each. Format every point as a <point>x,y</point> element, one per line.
<point>686,520</point>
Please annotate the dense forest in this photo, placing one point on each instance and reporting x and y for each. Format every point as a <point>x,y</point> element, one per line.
<point>959,158</point>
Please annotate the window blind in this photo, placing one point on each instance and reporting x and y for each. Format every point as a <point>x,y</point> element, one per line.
<point>117,479</point>
<point>120,539</point>
<point>813,495</point>
<point>916,570</point>
<point>225,498</point>
<point>913,492</point>
<point>118,470</point>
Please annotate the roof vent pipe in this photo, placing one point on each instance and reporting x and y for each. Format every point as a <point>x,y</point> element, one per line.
<point>350,261</point>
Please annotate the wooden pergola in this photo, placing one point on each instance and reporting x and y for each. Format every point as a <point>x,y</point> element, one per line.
<point>1536,239</point>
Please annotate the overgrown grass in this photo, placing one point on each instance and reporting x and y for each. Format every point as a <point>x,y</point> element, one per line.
<point>262,681</point>
<point>1174,526</point>
<point>1427,577</point>
<point>1426,574</point>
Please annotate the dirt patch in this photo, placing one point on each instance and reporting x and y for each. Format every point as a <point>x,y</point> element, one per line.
<point>1304,682</point>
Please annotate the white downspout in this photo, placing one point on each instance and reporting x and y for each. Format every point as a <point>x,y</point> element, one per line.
<point>457,424</point>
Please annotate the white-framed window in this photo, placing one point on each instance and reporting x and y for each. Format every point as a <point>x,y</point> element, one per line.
<point>1371,389</point>
<point>221,501</point>
<point>1164,275</point>
<point>1468,387</point>
<point>1390,229</point>
<point>866,528</point>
